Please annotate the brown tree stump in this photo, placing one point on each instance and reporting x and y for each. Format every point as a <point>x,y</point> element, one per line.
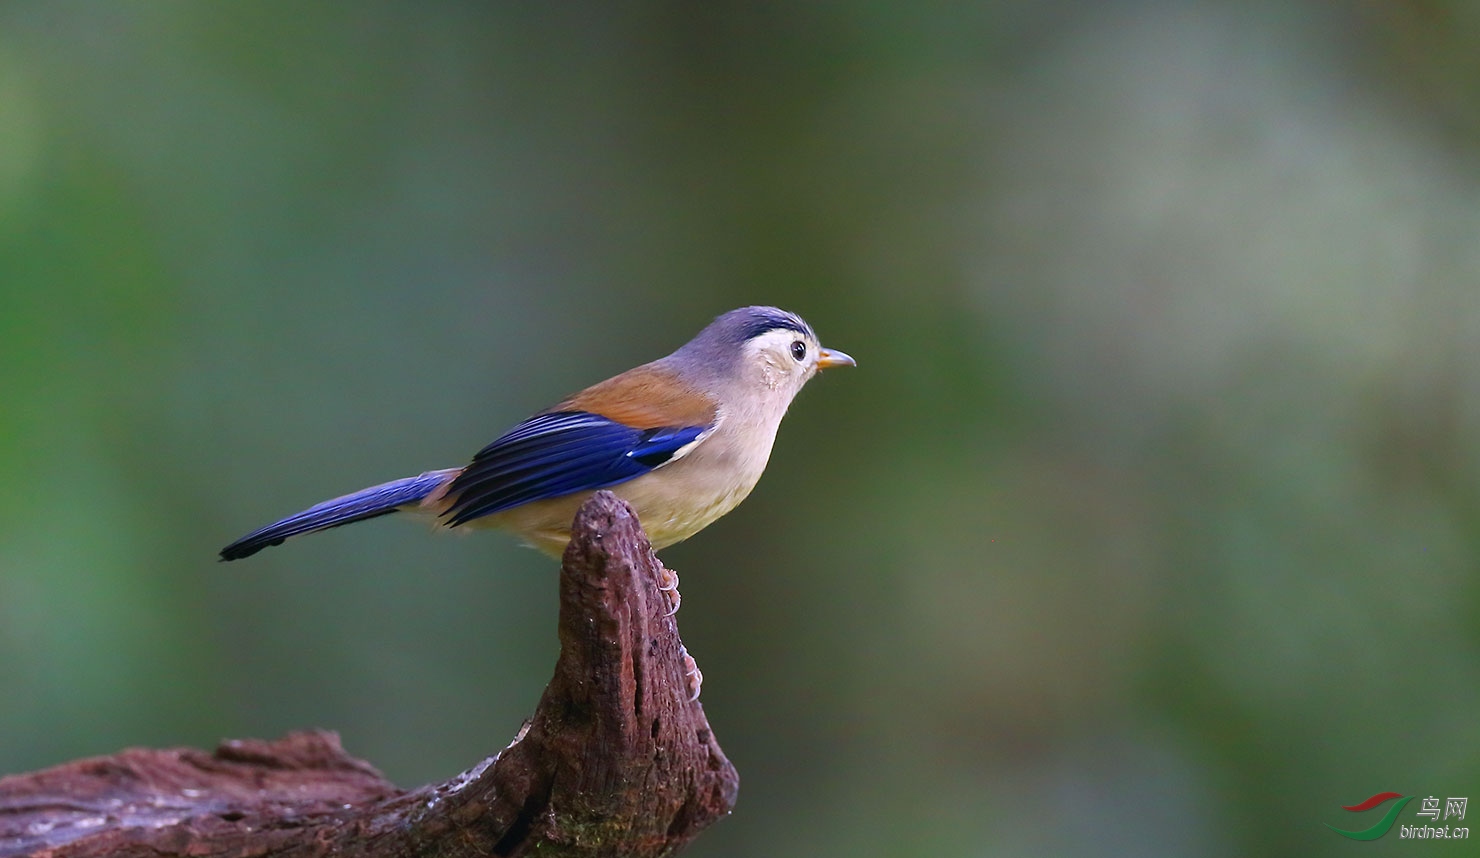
<point>617,760</point>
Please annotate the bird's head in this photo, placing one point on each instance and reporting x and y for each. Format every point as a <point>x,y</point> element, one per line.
<point>758,348</point>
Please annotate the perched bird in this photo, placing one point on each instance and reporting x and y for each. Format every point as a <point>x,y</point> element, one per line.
<point>682,439</point>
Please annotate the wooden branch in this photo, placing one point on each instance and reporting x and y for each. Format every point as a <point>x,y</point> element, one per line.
<point>618,760</point>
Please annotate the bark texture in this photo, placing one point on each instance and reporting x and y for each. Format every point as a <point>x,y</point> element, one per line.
<point>617,760</point>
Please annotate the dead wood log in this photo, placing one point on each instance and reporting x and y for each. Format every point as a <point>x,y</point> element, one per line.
<point>617,760</point>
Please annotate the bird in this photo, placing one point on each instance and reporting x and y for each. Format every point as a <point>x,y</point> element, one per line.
<point>682,439</point>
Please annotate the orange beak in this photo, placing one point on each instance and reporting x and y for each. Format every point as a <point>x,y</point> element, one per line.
<point>828,358</point>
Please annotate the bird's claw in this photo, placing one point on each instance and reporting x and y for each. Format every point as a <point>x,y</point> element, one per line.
<point>668,584</point>
<point>693,673</point>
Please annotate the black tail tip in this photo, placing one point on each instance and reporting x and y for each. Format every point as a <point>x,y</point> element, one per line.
<point>246,548</point>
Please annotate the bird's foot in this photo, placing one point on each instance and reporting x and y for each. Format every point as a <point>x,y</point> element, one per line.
<point>668,583</point>
<point>693,673</point>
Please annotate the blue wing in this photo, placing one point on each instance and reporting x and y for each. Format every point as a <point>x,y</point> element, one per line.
<point>560,453</point>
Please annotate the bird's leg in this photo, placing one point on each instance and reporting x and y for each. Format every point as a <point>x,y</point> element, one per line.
<point>668,583</point>
<point>694,674</point>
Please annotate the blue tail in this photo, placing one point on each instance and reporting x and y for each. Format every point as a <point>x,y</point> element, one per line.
<point>356,506</point>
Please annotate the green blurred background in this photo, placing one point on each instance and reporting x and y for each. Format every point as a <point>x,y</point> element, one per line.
<point>1148,524</point>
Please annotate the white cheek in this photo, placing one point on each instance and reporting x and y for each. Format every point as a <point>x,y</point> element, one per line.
<point>770,374</point>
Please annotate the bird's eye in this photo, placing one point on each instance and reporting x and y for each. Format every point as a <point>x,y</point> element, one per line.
<point>799,350</point>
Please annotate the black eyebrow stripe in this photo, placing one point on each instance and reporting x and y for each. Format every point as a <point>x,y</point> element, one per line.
<point>766,322</point>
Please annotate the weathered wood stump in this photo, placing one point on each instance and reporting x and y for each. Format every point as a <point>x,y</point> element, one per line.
<point>617,760</point>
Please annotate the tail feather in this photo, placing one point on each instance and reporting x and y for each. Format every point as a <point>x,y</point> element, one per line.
<point>375,501</point>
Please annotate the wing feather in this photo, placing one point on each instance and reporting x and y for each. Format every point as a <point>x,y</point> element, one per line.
<point>559,453</point>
